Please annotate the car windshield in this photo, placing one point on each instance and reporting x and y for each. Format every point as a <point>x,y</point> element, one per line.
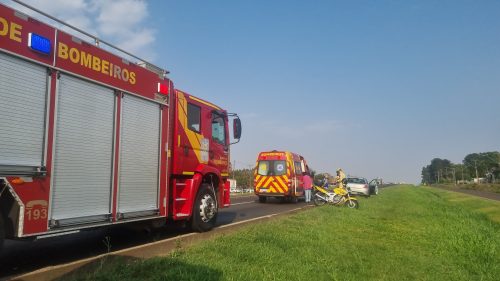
<point>271,168</point>
<point>356,180</point>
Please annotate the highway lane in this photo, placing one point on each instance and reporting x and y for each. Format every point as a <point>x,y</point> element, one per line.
<point>24,256</point>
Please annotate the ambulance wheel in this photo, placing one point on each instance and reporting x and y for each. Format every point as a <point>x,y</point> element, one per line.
<point>262,199</point>
<point>2,231</point>
<point>204,210</point>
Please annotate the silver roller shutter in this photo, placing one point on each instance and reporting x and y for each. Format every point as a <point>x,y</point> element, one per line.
<point>83,151</point>
<point>23,93</point>
<point>139,152</point>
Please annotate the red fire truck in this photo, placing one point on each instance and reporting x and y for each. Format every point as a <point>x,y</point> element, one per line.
<point>91,139</point>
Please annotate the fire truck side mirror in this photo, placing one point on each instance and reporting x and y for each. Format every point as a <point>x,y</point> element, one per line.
<point>237,128</point>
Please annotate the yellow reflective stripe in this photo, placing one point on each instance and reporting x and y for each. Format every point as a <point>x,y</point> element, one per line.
<point>286,179</point>
<point>268,182</point>
<point>224,174</point>
<point>204,102</point>
<point>276,185</point>
<point>193,137</point>
<point>282,184</point>
<point>261,182</point>
<point>188,173</point>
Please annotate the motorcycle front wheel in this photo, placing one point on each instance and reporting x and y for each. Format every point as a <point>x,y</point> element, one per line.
<point>352,204</point>
<point>318,201</point>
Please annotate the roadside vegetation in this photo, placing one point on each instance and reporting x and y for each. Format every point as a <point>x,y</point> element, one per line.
<point>481,167</point>
<point>405,233</point>
<point>489,187</point>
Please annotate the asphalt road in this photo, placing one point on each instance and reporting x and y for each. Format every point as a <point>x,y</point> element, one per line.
<point>19,257</point>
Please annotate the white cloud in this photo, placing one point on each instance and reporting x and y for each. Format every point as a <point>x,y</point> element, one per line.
<point>120,22</point>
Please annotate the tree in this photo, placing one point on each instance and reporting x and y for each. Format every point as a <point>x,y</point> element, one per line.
<point>244,178</point>
<point>483,164</point>
<point>437,171</point>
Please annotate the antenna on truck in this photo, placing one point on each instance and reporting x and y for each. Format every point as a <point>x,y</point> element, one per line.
<point>97,41</point>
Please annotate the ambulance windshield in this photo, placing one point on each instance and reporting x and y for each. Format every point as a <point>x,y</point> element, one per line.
<point>271,167</point>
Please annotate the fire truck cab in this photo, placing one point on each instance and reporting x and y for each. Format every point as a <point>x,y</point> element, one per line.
<point>279,174</point>
<point>91,139</point>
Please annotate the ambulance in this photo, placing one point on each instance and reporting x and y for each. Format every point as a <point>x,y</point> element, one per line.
<point>280,174</point>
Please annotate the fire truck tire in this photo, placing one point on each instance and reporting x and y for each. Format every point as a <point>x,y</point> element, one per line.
<point>2,231</point>
<point>262,199</point>
<point>204,210</point>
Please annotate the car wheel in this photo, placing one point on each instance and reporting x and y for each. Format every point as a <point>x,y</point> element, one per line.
<point>205,210</point>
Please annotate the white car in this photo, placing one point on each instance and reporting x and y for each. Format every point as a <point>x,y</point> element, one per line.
<point>358,186</point>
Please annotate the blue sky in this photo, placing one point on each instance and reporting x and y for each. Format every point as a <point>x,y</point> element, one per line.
<point>378,88</point>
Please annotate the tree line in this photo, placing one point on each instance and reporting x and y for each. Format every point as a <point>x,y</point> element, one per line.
<point>484,165</point>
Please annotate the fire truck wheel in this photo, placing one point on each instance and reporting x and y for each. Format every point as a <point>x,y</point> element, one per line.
<point>205,210</point>
<point>2,230</point>
<point>262,199</point>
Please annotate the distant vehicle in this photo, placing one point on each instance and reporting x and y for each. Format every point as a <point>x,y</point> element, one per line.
<point>358,186</point>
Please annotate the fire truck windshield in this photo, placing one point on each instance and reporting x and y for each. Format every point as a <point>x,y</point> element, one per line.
<point>272,167</point>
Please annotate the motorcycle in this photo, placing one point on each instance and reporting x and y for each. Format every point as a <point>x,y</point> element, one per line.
<point>339,197</point>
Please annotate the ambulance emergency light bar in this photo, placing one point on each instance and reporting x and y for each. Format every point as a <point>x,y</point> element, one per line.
<point>39,43</point>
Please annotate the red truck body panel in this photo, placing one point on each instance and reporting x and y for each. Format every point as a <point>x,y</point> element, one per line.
<point>186,157</point>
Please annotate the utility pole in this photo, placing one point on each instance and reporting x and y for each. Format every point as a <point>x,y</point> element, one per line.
<point>462,173</point>
<point>454,178</point>
<point>477,175</point>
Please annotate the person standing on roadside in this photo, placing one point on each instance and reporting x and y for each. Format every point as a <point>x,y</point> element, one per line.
<point>339,179</point>
<point>308,182</point>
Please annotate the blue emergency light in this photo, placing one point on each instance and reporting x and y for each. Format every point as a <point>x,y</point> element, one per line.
<point>39,43</point>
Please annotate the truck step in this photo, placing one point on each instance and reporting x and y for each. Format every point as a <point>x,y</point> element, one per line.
<point>180,199</point>
<point>182,215</point>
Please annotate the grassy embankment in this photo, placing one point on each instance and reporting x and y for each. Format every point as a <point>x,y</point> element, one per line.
<point>406,233</point>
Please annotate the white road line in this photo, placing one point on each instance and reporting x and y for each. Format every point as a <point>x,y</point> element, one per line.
<point>259,218</point>
<point>242,203</point>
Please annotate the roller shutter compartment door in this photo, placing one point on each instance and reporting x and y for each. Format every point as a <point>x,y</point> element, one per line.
<point>23,93</point>
<point>139,155</point>
<point>83,151</point>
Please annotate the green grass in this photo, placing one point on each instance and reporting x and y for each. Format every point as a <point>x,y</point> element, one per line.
<point>405,233</point>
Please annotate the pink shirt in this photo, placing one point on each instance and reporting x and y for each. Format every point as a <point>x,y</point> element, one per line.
<point>307,182</point>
